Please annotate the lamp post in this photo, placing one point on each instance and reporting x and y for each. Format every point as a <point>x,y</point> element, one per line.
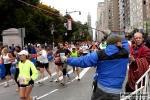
<point>52,32</point>
<point>73,12</point>
<point>66,24</point>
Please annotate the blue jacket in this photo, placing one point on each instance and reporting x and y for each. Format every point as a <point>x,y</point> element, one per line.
<point>111,66</point>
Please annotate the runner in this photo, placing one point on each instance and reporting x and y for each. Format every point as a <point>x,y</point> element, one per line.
<point>7,57</point>
<point>57,61</point>
<point>63,52</point>
<point>44,64</point>
<point>27,74</point>
<point>85,49</point>
<point>17,59</point>
<point>75,54</point>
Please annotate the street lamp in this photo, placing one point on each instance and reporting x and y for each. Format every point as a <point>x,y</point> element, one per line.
<point>52,32</point>
<point>66,24</point>
<point>73,12</point>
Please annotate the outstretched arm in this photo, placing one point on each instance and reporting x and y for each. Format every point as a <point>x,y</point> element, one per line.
<point>89,60</point>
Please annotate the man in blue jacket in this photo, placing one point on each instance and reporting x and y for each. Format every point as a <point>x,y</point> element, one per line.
<point>111,67</point>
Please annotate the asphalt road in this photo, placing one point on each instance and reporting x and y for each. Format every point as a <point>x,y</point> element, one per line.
<point>74,90</point>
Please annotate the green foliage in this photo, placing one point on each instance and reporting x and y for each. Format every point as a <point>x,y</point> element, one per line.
<point>37,23</point>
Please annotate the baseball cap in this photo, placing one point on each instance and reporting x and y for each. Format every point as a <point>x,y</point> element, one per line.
<point>23,52</point>
<point>113,39</point>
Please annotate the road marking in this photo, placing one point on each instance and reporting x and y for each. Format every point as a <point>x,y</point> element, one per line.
<point>5,82</point>
<point>60,78</point>
<point>81,75</point>
<point>47,94</point>
<point>45,78</point>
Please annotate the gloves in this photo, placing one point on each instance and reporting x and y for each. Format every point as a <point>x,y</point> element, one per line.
<point>63,59</point>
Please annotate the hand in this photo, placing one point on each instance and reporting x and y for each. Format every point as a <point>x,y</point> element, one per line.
<point>63,59</point>
<point>131,58</point>
<point>18,79</point>
<point>28,79</point>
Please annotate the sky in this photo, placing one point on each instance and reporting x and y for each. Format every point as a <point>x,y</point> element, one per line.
<point>85,6</point>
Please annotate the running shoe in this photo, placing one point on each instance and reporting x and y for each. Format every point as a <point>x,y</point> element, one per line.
<point>63,83</point>
<point>51,79</point>
<point>6,85</point>
<point>57,81</point>
<point>78,79</point>
<point>34,98</point>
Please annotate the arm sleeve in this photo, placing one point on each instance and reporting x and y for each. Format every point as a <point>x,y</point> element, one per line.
<point>89,60</point>
<point>146,54</point>
<point>125,45</point>
<point>34,72</point>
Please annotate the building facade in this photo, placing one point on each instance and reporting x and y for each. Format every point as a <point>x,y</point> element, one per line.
<point>89,24</point>
<point>137,13</point>
<point>109,15</point>
<point>127,15</point>
<point>121,14</point>
<point>100,20</point>
<point>148,8</point>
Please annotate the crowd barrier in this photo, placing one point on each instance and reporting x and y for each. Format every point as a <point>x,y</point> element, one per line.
<point>13,69</point>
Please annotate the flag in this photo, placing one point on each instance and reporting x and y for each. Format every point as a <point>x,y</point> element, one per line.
<point>80,32</point>
<point>69,24</point>
<point>53,27</point>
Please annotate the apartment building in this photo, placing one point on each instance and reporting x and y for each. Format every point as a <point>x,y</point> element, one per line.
<point>100,21</point>
<point>137,13</point>
<point>108,16</point>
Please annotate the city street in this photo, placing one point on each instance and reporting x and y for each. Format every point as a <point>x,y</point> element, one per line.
<point>75,90</point>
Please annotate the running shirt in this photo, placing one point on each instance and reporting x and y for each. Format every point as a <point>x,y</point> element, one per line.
<point>6,58</point>
<point>39,58</point>
<point>63,52</point>
<point>24,70</point>
<point>44,58</point>
<point>74,54</point>
<point>85,49</point>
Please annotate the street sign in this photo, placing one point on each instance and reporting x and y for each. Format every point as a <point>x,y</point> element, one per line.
<point>21,32</point>
<point>22,35</point>
<point>52,31</point>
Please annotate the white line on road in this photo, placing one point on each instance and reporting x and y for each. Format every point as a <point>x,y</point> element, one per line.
<point>5,82</point>
<point>47,94</point>
<point>81,75</point>
<point>45,78</point>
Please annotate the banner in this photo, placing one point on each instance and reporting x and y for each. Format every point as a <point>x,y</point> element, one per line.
<point>80,32</point>
<point>69,24</point>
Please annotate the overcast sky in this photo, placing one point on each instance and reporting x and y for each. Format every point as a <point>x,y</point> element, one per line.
<point>85,6</point>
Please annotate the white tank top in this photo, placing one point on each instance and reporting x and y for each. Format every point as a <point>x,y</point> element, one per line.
<point>6,59</point>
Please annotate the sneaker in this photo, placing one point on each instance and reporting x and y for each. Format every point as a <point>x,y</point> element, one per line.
<point>57,81</point>
<point>34,98</point>
<point>63,83</point>
<point>51,79</point>
<point>78,79</point>
<point>68,75</point>
<point>40,82</point>
<point>17,90</point>
<point>6,85</point>
<point>69,79</point>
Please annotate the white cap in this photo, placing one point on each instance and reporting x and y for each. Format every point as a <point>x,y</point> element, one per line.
<point>23,52</point>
